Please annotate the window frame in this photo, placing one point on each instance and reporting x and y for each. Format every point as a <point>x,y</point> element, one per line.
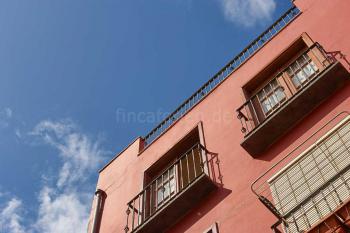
<point>157,204</point>
<point>270,93</point>
<point>300,68</point>
<point>166,184</point>
<point>276,68</point>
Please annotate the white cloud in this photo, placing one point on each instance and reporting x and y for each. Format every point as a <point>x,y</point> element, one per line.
<point>10,217</point>
<point>63,207</point>
<point>78,152</point>
<point>248,12</point>
<point>62,213</point>
<point>5,117</point>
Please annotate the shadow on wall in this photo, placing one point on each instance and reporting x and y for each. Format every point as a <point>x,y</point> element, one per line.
<point>214,168</point>
<point>201,210</point>
<point>339,56</point>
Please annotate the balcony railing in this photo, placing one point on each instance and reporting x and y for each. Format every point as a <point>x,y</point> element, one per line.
<point>225,72</point>
<point>261,106</point>
<point>158,198</point>
<point>310,183</point>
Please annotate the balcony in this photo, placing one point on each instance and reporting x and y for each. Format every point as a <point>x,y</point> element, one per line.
<point>168,197</point>
<point>302,85</point>
<point>309,189</point>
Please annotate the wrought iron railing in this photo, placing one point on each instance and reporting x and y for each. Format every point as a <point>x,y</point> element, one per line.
<point>310,182</point>
<point>277,93</point>
<point>226,71</point>
<point>167,186</point>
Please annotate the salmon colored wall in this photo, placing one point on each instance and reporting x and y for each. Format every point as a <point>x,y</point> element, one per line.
<point>233,206</point>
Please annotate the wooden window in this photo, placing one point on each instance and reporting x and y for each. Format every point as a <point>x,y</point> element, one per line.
<point>166,186</point>
<point>271,96</point>
<point>302,70</point>
<point>174,171</point>
<point>279,81</point>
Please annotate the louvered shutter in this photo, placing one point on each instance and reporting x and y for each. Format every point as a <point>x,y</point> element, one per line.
<point>317,182</point>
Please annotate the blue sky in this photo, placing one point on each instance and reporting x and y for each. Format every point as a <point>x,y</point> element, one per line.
<point>68,66</point>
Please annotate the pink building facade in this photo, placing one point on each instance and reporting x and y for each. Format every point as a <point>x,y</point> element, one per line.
<point>264,146</point>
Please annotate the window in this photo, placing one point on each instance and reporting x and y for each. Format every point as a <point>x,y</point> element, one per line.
<point>302,70</point>
<point>166,186</point>
<point>179,175</point>
<point>317,182</point>
<point>271,96</point>
<point>173,172</point>
<point>173,185</point>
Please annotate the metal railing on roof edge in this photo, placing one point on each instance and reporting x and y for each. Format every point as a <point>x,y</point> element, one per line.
<point>225,72</point>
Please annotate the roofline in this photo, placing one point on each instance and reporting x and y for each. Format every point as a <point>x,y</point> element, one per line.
<point>121,152</point>
<point>240,59</point>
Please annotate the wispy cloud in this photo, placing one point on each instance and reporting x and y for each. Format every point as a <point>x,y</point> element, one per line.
<point>63,205</point>
<point>62,212</point>
<point>10,217</point>
<point>78,152</point>
<point>5,117</point>
<point>248,12</point>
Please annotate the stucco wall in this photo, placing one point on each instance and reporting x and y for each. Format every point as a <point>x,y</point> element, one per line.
<point>233,206</point>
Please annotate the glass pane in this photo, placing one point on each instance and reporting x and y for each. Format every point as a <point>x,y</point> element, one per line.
<point>280,94</point>
<point>296,81</point>
<point>274,83</point>
<point>295,67</point>
<point>302,77</point>
<point>261,95</point>
<point>166,190</point>
<point>310,69</point>
<point>302,60</point>
<point>160,195</point>
<point>266,105</point>
<point>273,99</point>
<point>159,182</point>
<point>267,88</point>
<point>172,185</point>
